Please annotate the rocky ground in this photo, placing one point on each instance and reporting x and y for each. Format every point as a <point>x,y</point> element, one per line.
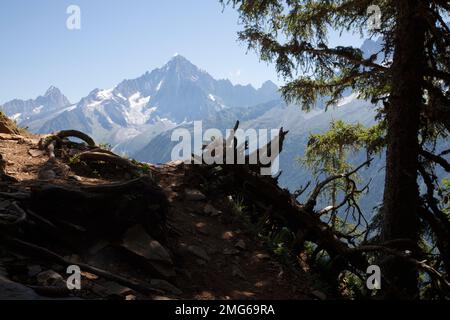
<point>207,251</point>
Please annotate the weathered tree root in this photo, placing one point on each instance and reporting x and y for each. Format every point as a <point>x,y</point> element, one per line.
<point>68,134</point>
<point>14,215</point>
<point>104,209</point>
<point>107,157</point>
<point>51,142</point>
<point>91,154</point>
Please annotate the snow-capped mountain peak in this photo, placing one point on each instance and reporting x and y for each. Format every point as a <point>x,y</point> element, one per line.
<point>52,91</point>
<point>178,59</point>
<point>176,92</point>
<point>23,110</point>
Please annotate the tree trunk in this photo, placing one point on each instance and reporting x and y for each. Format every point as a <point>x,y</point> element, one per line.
<point>401,194</point>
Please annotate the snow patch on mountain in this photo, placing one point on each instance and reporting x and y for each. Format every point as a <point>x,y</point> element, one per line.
<point>136,113</point>
<point>38,109</point>
<point>105,94</point>
<point>16,116</point>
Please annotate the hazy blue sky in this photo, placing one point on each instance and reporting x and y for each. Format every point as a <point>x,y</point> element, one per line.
<point>119,39</point>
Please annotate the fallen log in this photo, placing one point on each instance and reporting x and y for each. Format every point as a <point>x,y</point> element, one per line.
<point>286,212</point>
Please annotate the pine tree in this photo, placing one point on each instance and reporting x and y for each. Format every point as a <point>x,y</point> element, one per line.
<point>328,154</point>
<point>410,84</point>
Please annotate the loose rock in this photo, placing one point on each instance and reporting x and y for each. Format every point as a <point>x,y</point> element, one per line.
<point>241,245</point>
<point>50,278</point>
<point>199,252</point>
<point>47,175</point>
<point>263,256</point>
<point>210,210</point>
<point>139,242</point>
<point>75,178</point>
<point>36,153</point>
<point>319,295</point>
<point>194,195</point>
<point>236,272</point>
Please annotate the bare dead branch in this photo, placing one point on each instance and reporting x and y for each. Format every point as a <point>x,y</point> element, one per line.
<point>302,190</point>
<point>436,159</point>
<point>311,202</point>
<point>433,273</point>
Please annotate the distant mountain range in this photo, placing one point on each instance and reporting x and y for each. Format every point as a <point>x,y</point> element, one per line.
<point>176,93</point>
<point>22,111</point>
<point>137,116</point>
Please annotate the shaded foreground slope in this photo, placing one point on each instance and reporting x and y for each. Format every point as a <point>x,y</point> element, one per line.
<point>137,231</point>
